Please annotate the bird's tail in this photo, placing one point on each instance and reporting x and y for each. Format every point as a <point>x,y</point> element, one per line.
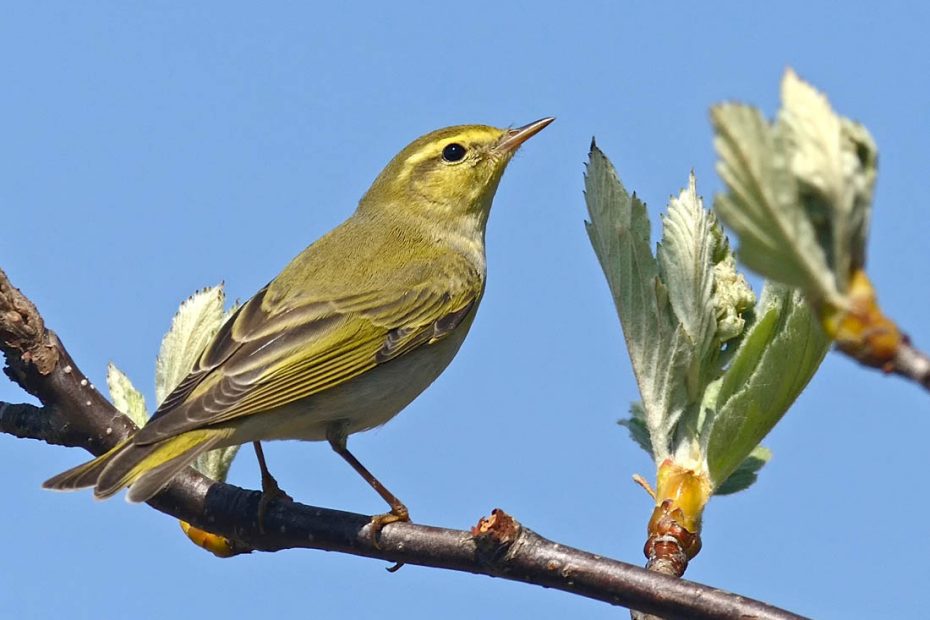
<point>147,469</point>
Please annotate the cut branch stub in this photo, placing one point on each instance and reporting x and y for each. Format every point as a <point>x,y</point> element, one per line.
<point>22,329</point>
<point>494,535</point>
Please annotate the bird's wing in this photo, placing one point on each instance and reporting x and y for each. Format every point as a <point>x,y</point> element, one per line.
<point>262,359</point>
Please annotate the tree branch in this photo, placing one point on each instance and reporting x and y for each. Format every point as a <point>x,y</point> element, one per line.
<point>75,414</point>
<point>911,363</point>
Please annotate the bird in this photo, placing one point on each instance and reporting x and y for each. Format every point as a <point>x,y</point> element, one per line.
<point>346,336</point>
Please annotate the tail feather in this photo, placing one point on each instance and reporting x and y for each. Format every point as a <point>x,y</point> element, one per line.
<point>153,480</point>
<point>147,469</point>
<point>84,475</point>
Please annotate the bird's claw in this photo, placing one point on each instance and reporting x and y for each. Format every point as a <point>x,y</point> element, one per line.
<point>270,492</point>
<point>398,514</point>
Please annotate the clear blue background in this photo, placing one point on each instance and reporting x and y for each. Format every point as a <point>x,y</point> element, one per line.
<point>147,151</point>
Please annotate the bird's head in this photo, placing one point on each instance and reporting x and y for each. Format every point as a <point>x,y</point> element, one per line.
<point>449,173</point>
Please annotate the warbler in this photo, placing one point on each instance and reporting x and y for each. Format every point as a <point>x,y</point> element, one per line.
<point>347,335</point>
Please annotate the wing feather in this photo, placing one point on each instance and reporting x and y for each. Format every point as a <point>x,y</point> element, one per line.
<point>263,359</point>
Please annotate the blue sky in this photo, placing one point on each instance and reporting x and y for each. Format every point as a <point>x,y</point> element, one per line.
<point>151,150</point>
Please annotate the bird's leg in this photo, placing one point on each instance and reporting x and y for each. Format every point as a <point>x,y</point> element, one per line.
<point>337,436</point>
<point>270,489</point>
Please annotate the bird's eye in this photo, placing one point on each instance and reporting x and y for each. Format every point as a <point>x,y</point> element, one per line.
<point>453,152</point>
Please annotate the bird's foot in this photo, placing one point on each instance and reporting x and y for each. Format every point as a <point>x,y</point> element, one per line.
<point>399,513</point>
<point>270,492</point>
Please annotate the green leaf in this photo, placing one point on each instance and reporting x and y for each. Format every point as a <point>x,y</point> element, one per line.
<point>799,190</point>
<point>215,464</point>
<point>747,473</point>
<point>686,262</point>
<point>636,425</point>
<point>860,142</point>
<point>657,344</point>
<point>776,238</point>
<point>778,356</point>
<point>125,397</point>
<point>192,328</point>
<point>834,162</point>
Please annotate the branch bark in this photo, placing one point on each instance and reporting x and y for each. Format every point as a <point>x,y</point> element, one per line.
<point>912,363</point>
<point>75,414</point>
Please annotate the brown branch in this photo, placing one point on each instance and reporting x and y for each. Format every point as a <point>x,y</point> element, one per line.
<point>894,355</point>
<point>911,363</point>
<point>75,414</point>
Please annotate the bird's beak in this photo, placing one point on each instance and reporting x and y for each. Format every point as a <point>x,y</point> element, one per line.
<point>515,137</point>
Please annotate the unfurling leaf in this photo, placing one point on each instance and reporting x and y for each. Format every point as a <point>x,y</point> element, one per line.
<point>656,341</point>
<point>747,473</point>
<point>125,397</point>
<point>799,190</point>
<point>192,328</point>
<point>636,425</point>
<point>685,257</point>
<point>776,238</point>
<point>216,463</point>
<point>834,161</point>
<point>779,354</point>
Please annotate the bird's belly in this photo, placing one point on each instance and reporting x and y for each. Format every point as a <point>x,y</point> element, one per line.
<point>364,402</point>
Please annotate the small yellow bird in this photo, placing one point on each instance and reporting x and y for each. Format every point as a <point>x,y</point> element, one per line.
<point>353,329</point>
